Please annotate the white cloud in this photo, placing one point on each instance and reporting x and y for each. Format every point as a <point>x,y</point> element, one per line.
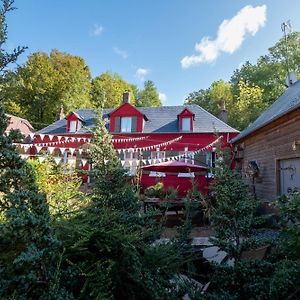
<point>120,52</point>
<point>162,97</point>
<point>141,73</point>
<point>97,30</point>
<point>231,34</point>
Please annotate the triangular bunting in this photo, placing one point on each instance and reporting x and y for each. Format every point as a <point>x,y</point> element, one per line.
<point>50,150</point>
<point>57,160</point>
<point>41,158</point>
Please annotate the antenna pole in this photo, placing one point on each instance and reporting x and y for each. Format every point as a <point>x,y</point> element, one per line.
<point>284,27</point>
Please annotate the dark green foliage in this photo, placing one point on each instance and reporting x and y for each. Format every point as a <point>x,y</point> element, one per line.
<point>110,183</point>
<point>290,221</point>
<point>255,279</point>
<point>26,240</point>
<point>234,215</point>
<point>27,245</point>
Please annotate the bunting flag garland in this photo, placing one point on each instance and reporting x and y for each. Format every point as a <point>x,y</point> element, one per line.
<point>146,148</point>
<point>191,154</point>
<point>116,140</point>
<point>83,162</point>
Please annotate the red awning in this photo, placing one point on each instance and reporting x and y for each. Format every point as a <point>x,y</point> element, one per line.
<point>175,167</point>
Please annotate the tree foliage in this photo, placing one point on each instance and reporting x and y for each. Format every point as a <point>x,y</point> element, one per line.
<point>148,96</point>
<point>44,83</point>
<point>61,186</point>
<point>254,86</point>
<point>27,243</point>
<point>107,90</point>
<point>234,215</point>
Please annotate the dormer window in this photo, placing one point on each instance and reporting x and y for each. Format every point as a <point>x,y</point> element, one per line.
<point>73,126</point>
<point>185,120</point>
<point>74,122</point>
<point>126,118</point>
<point>186,124</point>
<point>126,124</point>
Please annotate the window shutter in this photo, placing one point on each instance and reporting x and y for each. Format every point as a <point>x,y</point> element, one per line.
<point>117,124</point>
<point>134,124</point>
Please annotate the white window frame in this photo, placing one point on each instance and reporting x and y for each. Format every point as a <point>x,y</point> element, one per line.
<point>186,124</point>
<point>73,126</point>
<point>126,124</point>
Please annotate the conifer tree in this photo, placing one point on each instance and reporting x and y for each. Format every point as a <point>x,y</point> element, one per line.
<point>26,240</point>
<point>109,180</point>
<point>234,216</point>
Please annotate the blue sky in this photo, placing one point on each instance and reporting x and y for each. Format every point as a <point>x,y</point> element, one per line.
<point>144,39</point>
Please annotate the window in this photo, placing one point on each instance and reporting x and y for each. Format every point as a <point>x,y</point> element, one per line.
<point>157,156</point>
<point>126,124</point>
<point>188,156</point>
<point>73,125</point>
<point>186,124</point>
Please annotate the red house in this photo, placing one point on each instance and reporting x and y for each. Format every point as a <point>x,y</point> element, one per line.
<point>141,136</point>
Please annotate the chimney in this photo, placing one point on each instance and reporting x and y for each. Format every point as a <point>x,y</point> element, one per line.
<point>126,97</point>
<point>223,116</point>
<point>60,115</point>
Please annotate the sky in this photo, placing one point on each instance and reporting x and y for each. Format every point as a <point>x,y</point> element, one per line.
<point>181,45</point>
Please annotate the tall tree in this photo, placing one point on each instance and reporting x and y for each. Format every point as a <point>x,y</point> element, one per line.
<point>107,90</point>
<point>270,70</point>
<point>45,83</point>
<point>148,96</point>
<point>27,245</point>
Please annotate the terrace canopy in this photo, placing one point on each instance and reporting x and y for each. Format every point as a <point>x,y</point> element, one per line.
<point>174,167</point>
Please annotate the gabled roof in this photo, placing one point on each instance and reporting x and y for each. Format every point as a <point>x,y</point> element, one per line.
<point>131,107</point>
<point>77,115</point>
<point>162,119</point>
<point>184,110</point>
<point>287,102</point>
<point>19,123</point>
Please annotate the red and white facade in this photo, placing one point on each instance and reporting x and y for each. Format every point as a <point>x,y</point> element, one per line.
<point>141,136</point>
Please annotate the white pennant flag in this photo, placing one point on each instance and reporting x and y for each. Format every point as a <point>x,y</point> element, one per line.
<point>42,136</point>
<point>26,147</point>
<point>80,151</point>
<point>59,137</point>
<point>57,160</point>
<point>41,158</point>
<point>31,135</point>
<point>51,149</point>
<point>83,162</point>
<point>119,151</point>
<point>62,150</point>
<point>72,150</point>
<point>50,137</point>
<point>38,149</point>
<point>122,163</point>
<point>144,161</point>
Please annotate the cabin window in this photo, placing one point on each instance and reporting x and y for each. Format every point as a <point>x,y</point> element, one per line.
<point>73,125</point>
<point>126,124</point>
<point>186,124</point>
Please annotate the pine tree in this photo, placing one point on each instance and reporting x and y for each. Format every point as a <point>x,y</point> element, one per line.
<point>234,216</point>
<point>26,240</point>
<point>109,180</point>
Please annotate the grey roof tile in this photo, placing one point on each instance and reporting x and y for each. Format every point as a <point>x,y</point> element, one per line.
<point>287,102</point>
<point>161,119</point>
